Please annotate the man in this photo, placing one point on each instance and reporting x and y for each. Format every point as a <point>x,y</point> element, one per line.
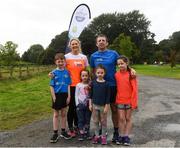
<point>108,59</point>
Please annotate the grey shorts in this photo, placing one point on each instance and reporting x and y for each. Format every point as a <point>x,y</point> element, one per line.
<point>123,106</point>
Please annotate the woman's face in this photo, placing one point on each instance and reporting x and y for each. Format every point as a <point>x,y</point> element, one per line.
<point>75,46</point>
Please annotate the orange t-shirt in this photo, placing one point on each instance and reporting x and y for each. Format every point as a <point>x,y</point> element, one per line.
<point>126,89</point>
<point>75,64</point>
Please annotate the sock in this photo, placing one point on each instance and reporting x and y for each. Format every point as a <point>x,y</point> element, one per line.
<point>71,129</point>
<point>55,131</point>
<point>115,129</point>
<point>62,130</point>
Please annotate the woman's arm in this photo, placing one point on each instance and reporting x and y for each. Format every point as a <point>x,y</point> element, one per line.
<point>69,95</point>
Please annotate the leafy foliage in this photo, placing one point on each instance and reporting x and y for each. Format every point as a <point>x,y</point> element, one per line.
<point>33,53</point>
<point>8,53</point>
<point>123,45</point>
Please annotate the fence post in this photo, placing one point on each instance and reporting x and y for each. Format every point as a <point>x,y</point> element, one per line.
<point>0,72</point>
<point>11,71</point>
<point>27,70</point>
<point>38,69</point>
<point>20,72</point>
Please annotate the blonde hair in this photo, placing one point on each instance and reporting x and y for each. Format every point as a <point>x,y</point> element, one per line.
<point>76,39</point>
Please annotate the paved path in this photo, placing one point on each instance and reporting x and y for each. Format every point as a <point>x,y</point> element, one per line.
<point>156,123</point>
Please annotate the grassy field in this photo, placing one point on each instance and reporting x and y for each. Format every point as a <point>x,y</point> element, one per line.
<point>164,71</point>
<point>22,102</point>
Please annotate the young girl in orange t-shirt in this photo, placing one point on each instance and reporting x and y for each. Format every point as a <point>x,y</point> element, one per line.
<point>126,98</point>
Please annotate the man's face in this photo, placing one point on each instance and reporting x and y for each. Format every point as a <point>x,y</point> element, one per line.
<point>101,43</point>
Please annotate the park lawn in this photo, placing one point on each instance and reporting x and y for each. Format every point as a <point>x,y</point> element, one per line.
<point>164,71</point>
<point>24,101</point>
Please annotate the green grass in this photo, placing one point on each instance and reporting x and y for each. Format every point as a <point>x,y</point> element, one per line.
<point>164,71</point>
<point>23,101</point>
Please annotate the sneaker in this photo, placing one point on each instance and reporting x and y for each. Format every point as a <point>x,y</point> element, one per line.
<point>88,136</point>
<point>72,134</point>
<point>95,139</point>
<point>54,138</point>
<point>81,137</point>
<point>76,130</point>
<point>120,140</point>
<point>115,137</point>
<point>126,141</point>
<point>103,140</point>
<point>65,135</point>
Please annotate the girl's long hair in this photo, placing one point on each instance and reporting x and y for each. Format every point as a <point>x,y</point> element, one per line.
<point>126,60</point>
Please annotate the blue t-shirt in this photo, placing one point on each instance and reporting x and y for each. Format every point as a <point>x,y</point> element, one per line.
<point>108,59</point>
<point>60,81</point>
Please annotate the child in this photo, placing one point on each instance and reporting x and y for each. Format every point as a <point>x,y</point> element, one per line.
<point>82,105</point>
<point>126,99</point>
<point>99,104</point>
<point>60,92</point>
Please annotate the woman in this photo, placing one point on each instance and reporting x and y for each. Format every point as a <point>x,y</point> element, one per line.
<point>75,63</point>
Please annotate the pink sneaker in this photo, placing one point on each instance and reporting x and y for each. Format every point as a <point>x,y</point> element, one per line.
<point>103,140</point>
<point>95,139</point>
<point>72,134</point>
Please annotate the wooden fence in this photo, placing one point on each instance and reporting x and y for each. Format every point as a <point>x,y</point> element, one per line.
<point>21,71</point>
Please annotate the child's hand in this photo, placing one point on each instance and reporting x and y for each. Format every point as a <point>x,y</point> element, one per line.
<point>68,100</point>
<point>51,75</point>
<point>90,107</point>
<point>135,108</point>
<point>106,108</point>
<point>54,99</point>
<point>133,72</point>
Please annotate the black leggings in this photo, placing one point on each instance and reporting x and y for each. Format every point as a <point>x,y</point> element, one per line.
<point>71,115</point>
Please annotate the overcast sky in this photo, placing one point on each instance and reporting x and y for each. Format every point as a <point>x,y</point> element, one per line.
<point>28,22</point>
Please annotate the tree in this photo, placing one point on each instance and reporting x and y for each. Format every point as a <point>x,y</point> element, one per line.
<point>165,47</point>
<point>8,53</point>
<point>87,39</point>
<point>123,45</point>
<point>47,57</point>
<point>59,43</point>
<point>147,51</point>
<point>132,24</point>
<point>175,48</point>
<point>171,48</point>
<point>159,56</point>
<point>33,53</point>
